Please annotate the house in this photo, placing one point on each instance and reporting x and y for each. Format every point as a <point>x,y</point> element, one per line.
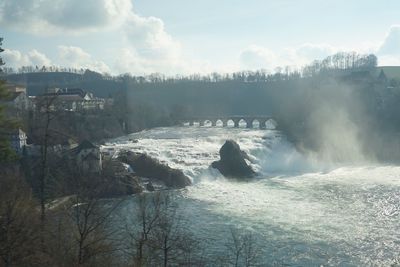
<point>68,99</point>
<point>18,140</point>
<point>18,100</point>
<point>88,157</point>
<point>17,97</point>
<point>15,88</point>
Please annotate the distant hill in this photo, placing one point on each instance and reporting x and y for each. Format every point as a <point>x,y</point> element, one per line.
<point>93,82</point>
<point>392,72</point>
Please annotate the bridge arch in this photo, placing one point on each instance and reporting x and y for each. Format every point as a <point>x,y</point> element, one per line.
<point>208,122</point>
<point>271,124</point>
<point>242,123</point>
<point>230,123</point>
<point>219,123</point>
<point>256,124</point>
<point>237,121</point>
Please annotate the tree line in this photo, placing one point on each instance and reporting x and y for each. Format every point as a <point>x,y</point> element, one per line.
<point>338,61</point>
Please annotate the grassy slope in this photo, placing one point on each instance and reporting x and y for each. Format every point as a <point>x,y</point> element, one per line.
<point>392,72</point>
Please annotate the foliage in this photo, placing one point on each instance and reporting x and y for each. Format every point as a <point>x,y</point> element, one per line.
<point>6,153</point>
<point>18,220</point>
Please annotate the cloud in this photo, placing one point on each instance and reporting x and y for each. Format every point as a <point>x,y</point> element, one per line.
<point>76,57</point>
<point>391,44</point>
<point>53,16</point>
<point>68,56</point>
<point>389,51</point>
<point>308,52</point>
<point>129,61</point>
<point>16,59</point>
<point>149,38</point>
<point>259,57</point>
<point>149,48</point>
<point>38,59</point>
<point>145,44</point>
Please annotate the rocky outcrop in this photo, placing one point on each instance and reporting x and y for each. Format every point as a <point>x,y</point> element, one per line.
<point>232,163</point>
<point>150,187</point>
<point>121,186</point>
<point>146,166</point>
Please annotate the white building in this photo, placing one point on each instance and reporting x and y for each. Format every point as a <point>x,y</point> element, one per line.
<point>88,157</point>
<point>17,99</point>
<point>18,140</point>
<point>71,100</point>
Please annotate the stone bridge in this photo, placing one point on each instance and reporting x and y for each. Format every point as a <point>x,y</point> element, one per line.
<point>236,119</point>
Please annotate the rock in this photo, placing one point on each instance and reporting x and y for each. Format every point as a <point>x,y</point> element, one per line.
<point>149,167</point>
<point>232,163</point>
<point>121,185</point>
<point>150,187</point>
<point>132,184</point>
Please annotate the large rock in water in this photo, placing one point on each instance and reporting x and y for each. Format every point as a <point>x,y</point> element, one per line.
<point>232,162</point>
<point>146,166</point>
<point>121,186</point>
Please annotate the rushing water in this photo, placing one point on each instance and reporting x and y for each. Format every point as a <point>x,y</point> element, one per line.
<point>305,212</point>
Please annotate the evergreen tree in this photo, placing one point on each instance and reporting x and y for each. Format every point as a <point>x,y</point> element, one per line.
<point>6,152</point>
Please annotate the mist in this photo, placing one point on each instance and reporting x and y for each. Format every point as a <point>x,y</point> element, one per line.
<point>199,133</point>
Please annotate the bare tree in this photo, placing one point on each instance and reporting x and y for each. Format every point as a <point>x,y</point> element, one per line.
<point>158,233</point>
<point>81,229</point>
<point>44,116</point>
<point>172,242</point>
<point>147,215</point>
<point>242,249</point>
<point>18,221</point>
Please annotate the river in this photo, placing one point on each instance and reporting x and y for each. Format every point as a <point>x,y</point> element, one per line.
<point>305,212</point>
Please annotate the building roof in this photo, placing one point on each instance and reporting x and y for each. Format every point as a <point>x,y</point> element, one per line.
<point>68,92</point>
<point>85,145</point>
<point>11,87</point>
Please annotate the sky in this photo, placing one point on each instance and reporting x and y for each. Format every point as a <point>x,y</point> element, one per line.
<point>186,36</point>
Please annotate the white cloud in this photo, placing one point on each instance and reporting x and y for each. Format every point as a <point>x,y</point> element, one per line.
<point>68,56</point>
<point>53,16</point>
<point>129,61</point>
<point>389,51</point>
<point>391,44</point>
<point>38,59</point>
<point>149,38</point>
<point>16,59</point>
<point>309,52</point>
<point>259,57</point>
<point>393,60</point>
<point>146,45</point>
<point>76,57</point>
<point>149,48</point>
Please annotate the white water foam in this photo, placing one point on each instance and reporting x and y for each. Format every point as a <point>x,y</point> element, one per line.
<point>305,213</point>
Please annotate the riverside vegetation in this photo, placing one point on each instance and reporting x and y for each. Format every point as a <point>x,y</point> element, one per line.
<point>54,215</point>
